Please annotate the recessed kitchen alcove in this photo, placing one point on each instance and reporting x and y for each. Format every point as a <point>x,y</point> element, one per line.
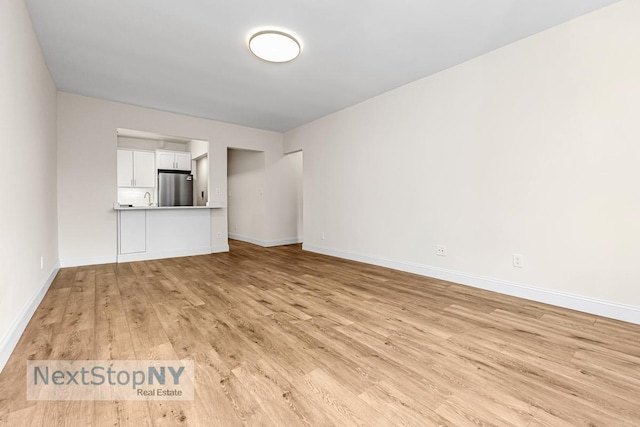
<point>142,153</point>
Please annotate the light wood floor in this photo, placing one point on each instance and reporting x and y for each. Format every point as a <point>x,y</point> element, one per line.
<point>282,337</point>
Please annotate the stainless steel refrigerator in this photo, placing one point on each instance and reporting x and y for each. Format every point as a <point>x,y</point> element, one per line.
<point>175,188</point>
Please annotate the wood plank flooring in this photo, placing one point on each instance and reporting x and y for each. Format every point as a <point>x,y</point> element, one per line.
<point>282,337</point>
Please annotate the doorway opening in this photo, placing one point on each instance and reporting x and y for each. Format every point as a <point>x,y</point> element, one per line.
<point>264,206</point>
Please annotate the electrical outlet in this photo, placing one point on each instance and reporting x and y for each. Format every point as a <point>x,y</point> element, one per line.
<point>518,260</point>
<point>217,191</point>
<point>441,250</point>
<point>218,235</point>
<point>322,236</point>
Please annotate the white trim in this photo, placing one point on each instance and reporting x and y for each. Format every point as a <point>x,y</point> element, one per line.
<point>146,256</point>
<point>626,313</point>
<point>247,239</point>
<point>219,249</point>
<point>143,256</point>
<point>282,242</point>
<point>266,243</point>
<point>10,339</point>
<point>79,262</point>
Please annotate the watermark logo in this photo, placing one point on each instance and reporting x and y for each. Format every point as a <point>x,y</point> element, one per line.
<point>110,379</point>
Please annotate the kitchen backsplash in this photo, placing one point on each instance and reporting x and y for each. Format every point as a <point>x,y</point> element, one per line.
<point>135,196</point>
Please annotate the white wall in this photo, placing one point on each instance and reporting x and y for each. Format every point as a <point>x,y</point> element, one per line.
<point>28,192</point>
<point>197,148</point>
<point>87,143</point>
<point>533,148</point>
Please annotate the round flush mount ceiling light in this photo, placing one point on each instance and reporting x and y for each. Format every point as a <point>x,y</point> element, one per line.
<point>274,46</point>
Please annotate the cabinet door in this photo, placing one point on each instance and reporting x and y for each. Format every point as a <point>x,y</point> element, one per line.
<point>183,161</point>
<point>125,168</point>
<point>133,232</point>
<point>144,172</point>
<point>165,159</point>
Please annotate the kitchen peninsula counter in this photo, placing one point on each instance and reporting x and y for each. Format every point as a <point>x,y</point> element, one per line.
<point>153,232</point>
<point>146,208</point>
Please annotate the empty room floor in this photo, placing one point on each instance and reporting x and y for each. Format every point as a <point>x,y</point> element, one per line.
<point>284,337</point>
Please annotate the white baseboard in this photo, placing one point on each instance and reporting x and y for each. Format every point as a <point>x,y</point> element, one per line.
<point>79,262</point>
<point>220,248</point>
<point>246,239</point>
<point>146,256</point>
<point>266,243</point>
<point>627,313</point>
<point>10,340</point>
<point>282,242</point>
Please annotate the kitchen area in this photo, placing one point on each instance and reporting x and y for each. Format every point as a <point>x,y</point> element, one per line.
<point>163,201</point>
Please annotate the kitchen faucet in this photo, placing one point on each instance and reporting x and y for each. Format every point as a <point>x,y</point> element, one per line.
<point>145,196</point>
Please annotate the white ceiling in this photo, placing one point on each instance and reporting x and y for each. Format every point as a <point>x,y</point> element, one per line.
<point>190,56</point>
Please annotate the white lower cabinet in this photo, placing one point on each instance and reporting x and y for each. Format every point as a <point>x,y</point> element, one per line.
<point>155,233</point>
<point>133,231</point>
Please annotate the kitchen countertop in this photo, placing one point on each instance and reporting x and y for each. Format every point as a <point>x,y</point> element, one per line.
<point>133,208</point>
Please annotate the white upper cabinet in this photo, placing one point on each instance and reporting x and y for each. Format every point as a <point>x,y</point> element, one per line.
<point>144,169</point>
<point>136,169</point>
<point>125,168</point>
<point>165,159</point>
<point>183,161</point>
<point>173,160</point>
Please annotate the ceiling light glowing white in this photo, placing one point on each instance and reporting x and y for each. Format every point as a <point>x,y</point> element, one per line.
<point>274,46</point>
